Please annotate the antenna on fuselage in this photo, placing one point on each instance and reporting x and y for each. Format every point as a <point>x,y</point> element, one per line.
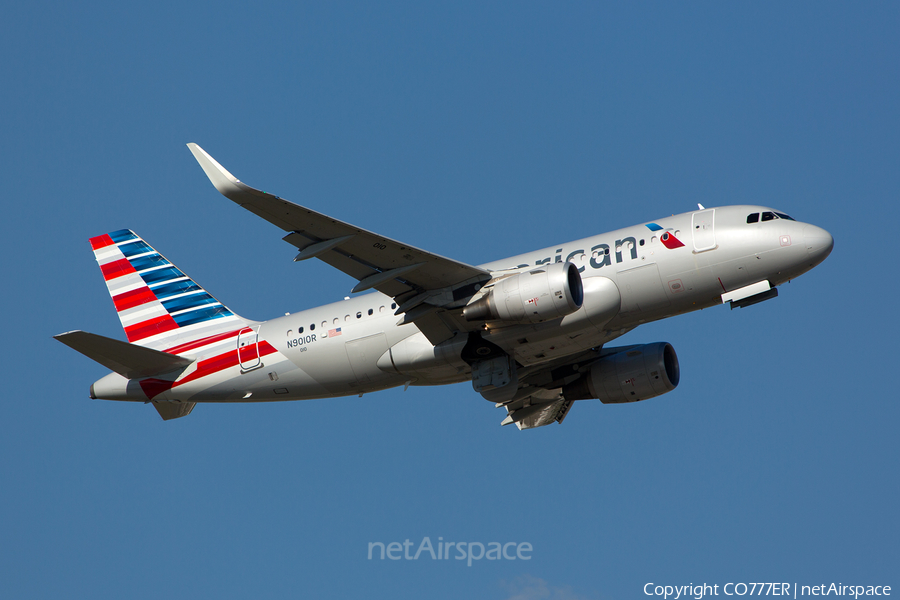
<point>700,206</point>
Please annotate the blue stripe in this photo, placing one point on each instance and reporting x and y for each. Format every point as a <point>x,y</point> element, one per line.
<point>132,248</point>
<point>653,227</point>
<point>186,302</point>
<point>147,262</point>
<point>161,275</point>
<point>122,235</point>
<point>204,314</point>
<point>178,287</point>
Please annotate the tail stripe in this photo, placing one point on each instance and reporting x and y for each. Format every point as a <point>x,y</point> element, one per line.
<point>134,248</point>
<point>199,316</point>
<point>150,327</point>
<point>101,241</point>
<point>123,235</point>
<point>191,301</point>
<point>164,275</point>
<point>148,261</point>
<point>115,269</point>
<point>174,289</point>
<point>133,298</point>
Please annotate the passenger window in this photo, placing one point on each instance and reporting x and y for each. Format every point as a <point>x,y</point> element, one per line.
<point>768,216</point>
<point>312,327</point>
<point>299,330</point>
<point>335,320</point>
<point>347,318</point>
<point>370,312</point>
<point>754,218</point>
<point>290,332</point>
<point>641,242</point>
<point>381,309</point>
<point>393,306</point>
<point>359,315</point>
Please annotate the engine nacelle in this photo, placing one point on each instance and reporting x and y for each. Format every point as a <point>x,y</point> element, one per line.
<point>549,292</point>
<point>634,374</point>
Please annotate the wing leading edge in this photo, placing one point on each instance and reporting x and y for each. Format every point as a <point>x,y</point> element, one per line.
<point>423,284</point>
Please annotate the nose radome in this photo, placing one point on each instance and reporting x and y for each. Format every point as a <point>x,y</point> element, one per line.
<point>818,242</point>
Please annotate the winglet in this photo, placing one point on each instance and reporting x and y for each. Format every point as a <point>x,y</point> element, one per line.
<point>225,182</point>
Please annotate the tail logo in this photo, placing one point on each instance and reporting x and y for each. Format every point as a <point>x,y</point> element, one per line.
<point>667,237</point>
<point>154,299</point>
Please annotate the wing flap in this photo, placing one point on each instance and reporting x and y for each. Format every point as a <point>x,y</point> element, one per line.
<point>538,415</point>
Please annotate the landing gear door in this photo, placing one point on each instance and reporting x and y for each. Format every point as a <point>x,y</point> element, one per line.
<point>248,349</point>
<point>703,229</point>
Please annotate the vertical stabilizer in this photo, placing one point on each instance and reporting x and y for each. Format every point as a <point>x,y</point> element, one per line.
<point>159,306</point>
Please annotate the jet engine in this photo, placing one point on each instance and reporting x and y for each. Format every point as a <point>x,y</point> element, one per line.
<point>548,292</point>
<point>632,374</point>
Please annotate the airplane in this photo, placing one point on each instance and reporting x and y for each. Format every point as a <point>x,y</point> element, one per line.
<point>530,332</point>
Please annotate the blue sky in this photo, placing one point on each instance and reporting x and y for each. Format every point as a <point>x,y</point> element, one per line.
<point>477,132</point>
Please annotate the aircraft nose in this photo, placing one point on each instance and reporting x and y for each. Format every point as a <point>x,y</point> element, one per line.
<point>818,242</point>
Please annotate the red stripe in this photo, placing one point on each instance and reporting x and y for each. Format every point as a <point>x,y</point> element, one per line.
<point>212,365</point>
<point>201,342</point>
<point>150,327</point>
<point>155,387</point>
<point>126,300</point>
<point>222,362</point>
<point>101,241</point>
<point>117,268</point>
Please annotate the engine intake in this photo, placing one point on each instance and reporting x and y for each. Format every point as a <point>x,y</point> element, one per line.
<point>634,374</point>
<point>542,294</point>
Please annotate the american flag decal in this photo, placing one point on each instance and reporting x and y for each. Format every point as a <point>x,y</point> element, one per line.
<point>334,332</point>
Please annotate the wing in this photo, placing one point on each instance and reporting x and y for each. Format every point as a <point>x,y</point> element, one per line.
<point>425,286</point>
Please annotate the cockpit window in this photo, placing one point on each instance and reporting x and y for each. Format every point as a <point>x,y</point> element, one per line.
<point>768,216</point>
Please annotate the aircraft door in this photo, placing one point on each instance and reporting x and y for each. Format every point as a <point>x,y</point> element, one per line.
<point>248,349</point>
<point>703,229</point>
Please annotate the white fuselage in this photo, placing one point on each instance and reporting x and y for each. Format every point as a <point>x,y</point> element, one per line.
<point>358,345</point>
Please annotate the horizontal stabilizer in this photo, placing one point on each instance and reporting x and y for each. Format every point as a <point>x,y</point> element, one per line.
<point>128,360</point>
<point>173,410</point>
